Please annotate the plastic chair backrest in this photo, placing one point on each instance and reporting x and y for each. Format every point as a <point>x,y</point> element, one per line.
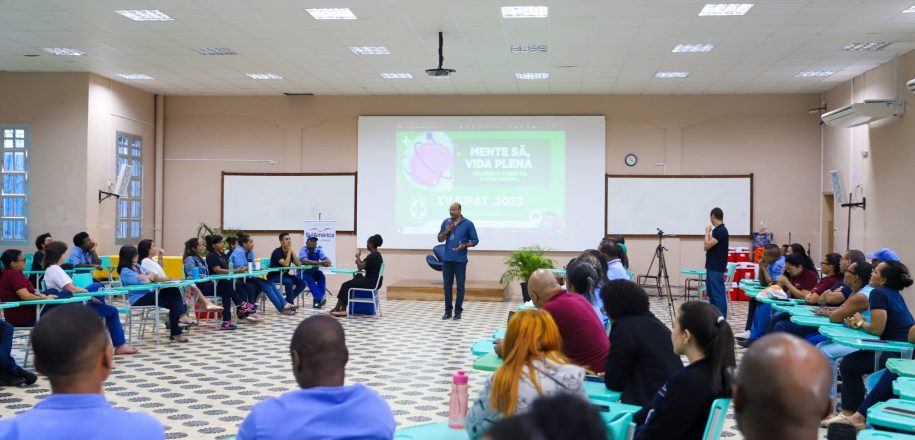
<point>732,268</point>
<point>106,260</point>
<point>265,263</point>
<point>380,276</point>
<point>82,280</point>
<point>439,252</point>
<point>716,417</point>
<point>28,261</point>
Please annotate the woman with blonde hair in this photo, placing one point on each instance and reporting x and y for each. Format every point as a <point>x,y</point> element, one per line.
<point>533,366</point>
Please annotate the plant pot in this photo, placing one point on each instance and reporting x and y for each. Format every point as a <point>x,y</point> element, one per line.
<point>524,295</point>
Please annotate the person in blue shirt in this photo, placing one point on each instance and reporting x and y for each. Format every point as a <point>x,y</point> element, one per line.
<point>244,254</point>
<point>72,349</point>
<point>84,254</point>
<point>132,274</point>
<point>614,253</point>
<point>716,260</point>
<point>324,408</point>
<point>459,234</point>
<point>312,255</point>
<point>771,265</point>
<point>890,320</point>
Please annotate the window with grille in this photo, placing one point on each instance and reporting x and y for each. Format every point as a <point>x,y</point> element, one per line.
<point>129,222</point>
<point>14,221</point>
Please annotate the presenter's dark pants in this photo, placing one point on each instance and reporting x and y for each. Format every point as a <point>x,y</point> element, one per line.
<point>714,282</point>
<point>452,271</point>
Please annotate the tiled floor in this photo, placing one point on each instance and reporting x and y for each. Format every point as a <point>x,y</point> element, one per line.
<point>203,390</point>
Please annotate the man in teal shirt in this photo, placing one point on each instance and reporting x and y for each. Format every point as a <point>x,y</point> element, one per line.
<point>459,234</point>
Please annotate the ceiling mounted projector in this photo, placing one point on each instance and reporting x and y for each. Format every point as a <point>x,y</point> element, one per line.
<point>440,71</point>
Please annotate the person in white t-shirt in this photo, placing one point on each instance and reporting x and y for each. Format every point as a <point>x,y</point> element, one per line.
<point>146,251</point>
<point>55,278</point>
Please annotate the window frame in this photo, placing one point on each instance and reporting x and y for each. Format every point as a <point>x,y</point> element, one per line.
<point>26,187</point>
<point>127,157</point>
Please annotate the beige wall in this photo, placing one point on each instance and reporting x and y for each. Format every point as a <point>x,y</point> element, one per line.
<point>771,136</point>
<point>114,107</point>
<point>73,118</point>
<point>885,177</point>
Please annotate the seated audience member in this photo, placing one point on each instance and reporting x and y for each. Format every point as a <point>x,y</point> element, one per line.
<point>558,417</point>
<point>533,366</point>
<point>621,241</point>
<point>781,390</point>
<point>584,340</point>
<point>882,391</point>
<point>882,255</point>
<point>832,280</point>
<point>641,357</point>
<point>599,263</point>
<point>217,264</point>
<point>834,297</point>
<point>312,255</point>
<point>72,350</point>
<point>372,267</point>
<point>83,254</point>
<point>680,408</point>
<point>14,287</point>
<point>857,277</point>
<point>890,320</point>
<point>795,276</point>
<point>324,407</point>
<point>580,279</point>
<point>146,251</point>
<point>231,244</point>
<point>614,254</point>
<point>38,256</point>
<point>284,256</point>
<point>770,267</point>
<point>240,257</point>
<point>132,274</point>
<point>56,279</point>
<point>191,258</point>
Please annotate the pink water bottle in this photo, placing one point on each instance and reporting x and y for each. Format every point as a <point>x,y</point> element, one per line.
<point>457,404</point>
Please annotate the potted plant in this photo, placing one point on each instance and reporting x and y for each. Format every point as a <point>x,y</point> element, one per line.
<point>523,262</point>
<point>204,229</point>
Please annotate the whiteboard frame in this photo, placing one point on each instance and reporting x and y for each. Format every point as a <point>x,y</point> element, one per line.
<point>222,189</point>
<point>677,176</point>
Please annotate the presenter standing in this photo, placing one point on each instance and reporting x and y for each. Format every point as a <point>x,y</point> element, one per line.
<point>458,234</point>
<point>716,260</point>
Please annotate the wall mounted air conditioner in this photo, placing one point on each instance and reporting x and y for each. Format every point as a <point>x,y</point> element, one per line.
<point>862,113</point>
<point>911,85</point>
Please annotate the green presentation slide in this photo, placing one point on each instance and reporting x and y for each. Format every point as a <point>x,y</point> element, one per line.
<point>503,179</point>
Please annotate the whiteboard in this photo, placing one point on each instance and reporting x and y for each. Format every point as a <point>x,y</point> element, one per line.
<point>677,204</point>
<point>281,202</point>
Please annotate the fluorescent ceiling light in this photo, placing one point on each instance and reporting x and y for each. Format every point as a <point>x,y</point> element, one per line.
<point>135,76</point>
<point>532,75</point>
<point>694,47</point>
<point>671,74</point>
<point>145,15</point>
<point>215,51</point>
<point>369,50</point>
<point>713,9</point>
<point>525,11</point>
<point>263,76</point>
<point>529,48</point>
<point>394,75</point>
<point>910,10</point>
<point>866,46</point>
<point>64,51</point>
<point>816,73</point>
<point>332,14</point>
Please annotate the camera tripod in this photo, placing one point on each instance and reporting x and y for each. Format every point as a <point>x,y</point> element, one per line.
<point>661,278</point>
